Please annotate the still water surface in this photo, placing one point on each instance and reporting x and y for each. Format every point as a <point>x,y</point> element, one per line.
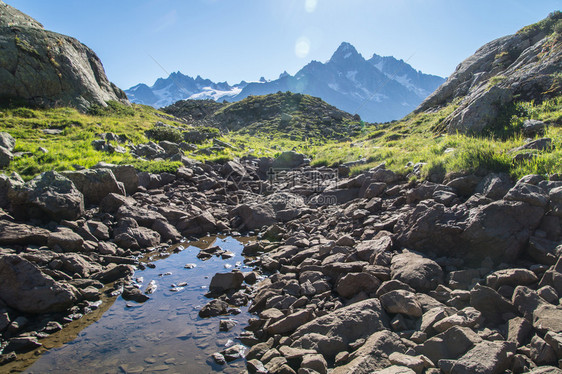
<point>164,334</point>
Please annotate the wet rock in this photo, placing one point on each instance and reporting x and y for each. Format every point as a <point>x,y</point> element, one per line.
<point>255,367</point>
<point>22,344</point>
<point>222,282</point>
<point>403,302</point>
<point>7,358</point>
<point>134,294</point>
<point>218,358</point>
<point>421,273</point>
<point>213,308</point>
<point>25,288</point>
<point>227,324</point>
<point>332,332</point>
<point>233,353</point>
<point>113,272</point>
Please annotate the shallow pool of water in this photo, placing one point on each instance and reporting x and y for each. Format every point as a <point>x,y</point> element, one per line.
<point>164,334</point>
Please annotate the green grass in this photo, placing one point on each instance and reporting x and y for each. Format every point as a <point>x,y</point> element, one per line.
<point>418,138</point>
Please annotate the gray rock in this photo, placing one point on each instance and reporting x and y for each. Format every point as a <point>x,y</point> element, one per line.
<point>331,333</point>
<point>403,302</point>
<point>490,78</point>
<point>7,141</point>
<point>25,288</point>
<point>373,356</point>
<point>492,305</point>
<point>290,323</point>
<point>126,174</point>
<point>421,273</point>
<point>254,216</point>
<point>213,308</point>
<point>289,160</point>
<point>449,344</point>
<point>49,195</point>
<point>485,358</point>
<point>541,352</point>
<point>353,283</point>
<point>222,282</point>
<point>5,157</point>
<point>539,144</point>
<point>533,127</point>
<point>12,233</point>
<point>511,277</point>
<point>50,69</point>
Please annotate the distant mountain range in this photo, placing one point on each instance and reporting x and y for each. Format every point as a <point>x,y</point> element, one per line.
<point>378,89</point>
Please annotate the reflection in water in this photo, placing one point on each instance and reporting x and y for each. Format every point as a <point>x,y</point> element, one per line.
<point>165,334</point>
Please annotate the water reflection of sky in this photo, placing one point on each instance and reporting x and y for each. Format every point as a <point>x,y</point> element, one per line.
<point>165,334</point>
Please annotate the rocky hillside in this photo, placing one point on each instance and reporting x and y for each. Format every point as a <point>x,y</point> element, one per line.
<point>363,274</point>
<point>295,116</point>
<point>44,68</point>
<point>521,67</point>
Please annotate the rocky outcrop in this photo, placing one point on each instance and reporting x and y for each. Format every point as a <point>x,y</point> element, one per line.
<point>49,69</point>
<point>523,66</point>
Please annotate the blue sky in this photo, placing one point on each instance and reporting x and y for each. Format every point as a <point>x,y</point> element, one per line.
<point>234,40</point>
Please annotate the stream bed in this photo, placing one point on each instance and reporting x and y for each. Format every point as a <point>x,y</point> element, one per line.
<point>164,334</point>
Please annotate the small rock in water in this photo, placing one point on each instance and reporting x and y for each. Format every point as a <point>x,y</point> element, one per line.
<point>233,353</point>
<point>234,311</point>
<point>139,280</point>
<point>190,266</point>
<point>151,265</point>
<point>227,255</point>
<point>218,358</point>
<point>182,284</point>
<point>227,266</point>
<point>227,324</point>
<point>176,289</point>
<point>164,274</point>
<point>135,294</point>
<point>151,288</point>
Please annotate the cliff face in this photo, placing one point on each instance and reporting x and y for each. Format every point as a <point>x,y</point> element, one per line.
<point>523,66</point>
<point>49,69</point>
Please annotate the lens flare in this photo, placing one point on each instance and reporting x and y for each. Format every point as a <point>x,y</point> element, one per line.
<point>310,5</point>
<point>302,47</point>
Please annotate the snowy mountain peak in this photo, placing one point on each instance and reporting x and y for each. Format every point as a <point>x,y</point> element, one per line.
<point>378,89</point>
<point>344,52</point>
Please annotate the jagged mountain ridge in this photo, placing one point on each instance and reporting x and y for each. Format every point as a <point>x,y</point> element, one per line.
<point>378,89</point>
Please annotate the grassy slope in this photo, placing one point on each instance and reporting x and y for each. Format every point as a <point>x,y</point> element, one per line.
<point>413,139</point>
<point>398,144</point>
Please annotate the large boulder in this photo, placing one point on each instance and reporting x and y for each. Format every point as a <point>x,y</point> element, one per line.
<point>25,288</point>
<point>421,273</point>
<point>333,332</point>
<point>254,216</point>
<point>126,174</point>
<point>49,195</point>
<point>289,160</point>
<point>95,184</point>
<point>50,69</point>
<point>499,230</point>
<point>484,84</point>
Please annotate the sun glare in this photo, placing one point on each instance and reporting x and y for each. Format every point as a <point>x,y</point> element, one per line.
<point>302,47</point>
